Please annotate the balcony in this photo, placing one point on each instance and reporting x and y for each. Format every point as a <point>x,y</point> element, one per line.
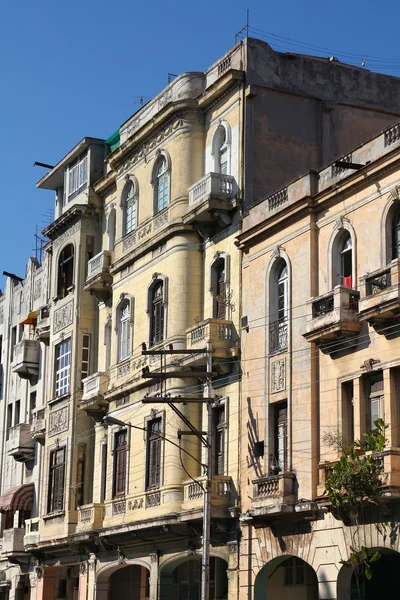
<point>334,316</point>
<point>26,359</point>
<point>99,279</point>
<point>380,304</point>
<point>20,444</point>
<point>219,332</point>
<point>43,325</point>
<point>38,425</point>
<point>90,517</point>
<point>94,388</point>
<point>273,495</point>
<point>31,537</point>
<point>193,497</point>
<point>389,467</point>
<point>13,540</point>
<point>211,200</point>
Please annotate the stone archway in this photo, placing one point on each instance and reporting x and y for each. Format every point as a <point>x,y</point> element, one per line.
<point>385,581</point>
<point>286,578</point>
<point>181,579</point>
<point>123,582</point>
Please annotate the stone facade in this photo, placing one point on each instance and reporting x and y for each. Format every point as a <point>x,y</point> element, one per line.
<point>334,240</point>
<point>165,249</point>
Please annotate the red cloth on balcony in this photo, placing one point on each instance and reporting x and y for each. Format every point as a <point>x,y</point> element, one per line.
<point>348,281</point>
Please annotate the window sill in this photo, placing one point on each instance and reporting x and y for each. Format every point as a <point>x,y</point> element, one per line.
<point>54,515</point>
<point>59,399</point>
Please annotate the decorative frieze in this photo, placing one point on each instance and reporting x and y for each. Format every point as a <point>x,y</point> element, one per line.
<point>136,504</point>
<point>161,220</point>
<point>123,370</point>
<point>58,421</point>
<point>59,241</point>
<point>278,375</point>
<point>63,316</point>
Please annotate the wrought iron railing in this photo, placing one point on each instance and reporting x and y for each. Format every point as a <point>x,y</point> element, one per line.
<point>377,283</point>
<point>322,306</point>
<point>278,335</point>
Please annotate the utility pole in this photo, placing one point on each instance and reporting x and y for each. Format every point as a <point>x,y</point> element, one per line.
<point>205,579</point>
<point>207,442</point>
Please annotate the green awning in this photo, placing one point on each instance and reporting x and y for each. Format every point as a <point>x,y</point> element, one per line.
<point>113,141</point>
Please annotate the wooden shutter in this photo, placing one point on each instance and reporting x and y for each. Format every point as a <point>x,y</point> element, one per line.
<point>56,480</point>
<point>154,454</point>
<point>121,448</point>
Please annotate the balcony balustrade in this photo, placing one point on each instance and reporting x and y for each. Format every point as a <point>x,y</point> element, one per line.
<point>99,279</point>
<point>333,316</point>
<point>94,388</point>
<point>273,495</point>
<point>43,324</point>
<point>13,541</point>
<point>90,517</point>
<point>380,301</point>
<point>219,332</point>
<point>193,496</point>
<point>26,358</point>
<point>211,198</point>
<point>32,535</point>
<point>20,444</point>
<point>38,425</point>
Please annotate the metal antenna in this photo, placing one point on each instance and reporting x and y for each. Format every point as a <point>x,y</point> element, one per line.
<point>245,28</point>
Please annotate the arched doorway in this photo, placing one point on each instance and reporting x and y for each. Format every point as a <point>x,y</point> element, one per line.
<point>385,580</point>
<point>286,578</point>
<point>182,581</point>
<point>129,583</point>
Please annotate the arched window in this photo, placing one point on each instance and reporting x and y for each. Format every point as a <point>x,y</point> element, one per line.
<point>130,208</point>
<point>279,305</point>
<point>161,184</point>
<point>346,260</point>
<point>396,235</point>
<point>65,271</point>
<point>221,150</point>
<point>124,330</point>
<point>157,313</point>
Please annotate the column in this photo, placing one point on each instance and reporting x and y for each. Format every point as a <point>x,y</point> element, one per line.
<point>45,584</point>
<point>91,577</point>
<point>83,581</point>
<point>153,579</point>
<point>391,417</point>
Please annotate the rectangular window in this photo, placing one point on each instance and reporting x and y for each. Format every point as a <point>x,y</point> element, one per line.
<point>103,471</point>
<point>348,412</point>
<point>9,420</point>
<point>120,460</point>
<point>17,413</point>
<point>77,175</point>
<point>153,454</point>
<point>281,437</point>
<point>20,332</point>
<point>13,342</point>
<point>294,571</point>
<point>219,439</point>
<point>32,406</point>
<point>62,367</point>
<point>375,400</point>
<point>85,371</point>
<point>55,500</point>
<point>80,475</point>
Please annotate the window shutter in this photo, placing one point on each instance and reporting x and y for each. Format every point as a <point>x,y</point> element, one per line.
<point>154,454</point>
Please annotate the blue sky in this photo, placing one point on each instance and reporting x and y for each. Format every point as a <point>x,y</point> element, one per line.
<point>80,67</point>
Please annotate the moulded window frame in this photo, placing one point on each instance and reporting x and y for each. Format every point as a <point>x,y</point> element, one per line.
<point>334,258</point>
<point>125,300</point>
<point>131,184</point>
<point>220,256</point>
<point>157,279</point>
<point>162,155</point>
<point>217,147</point>
<point>58,282</point>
